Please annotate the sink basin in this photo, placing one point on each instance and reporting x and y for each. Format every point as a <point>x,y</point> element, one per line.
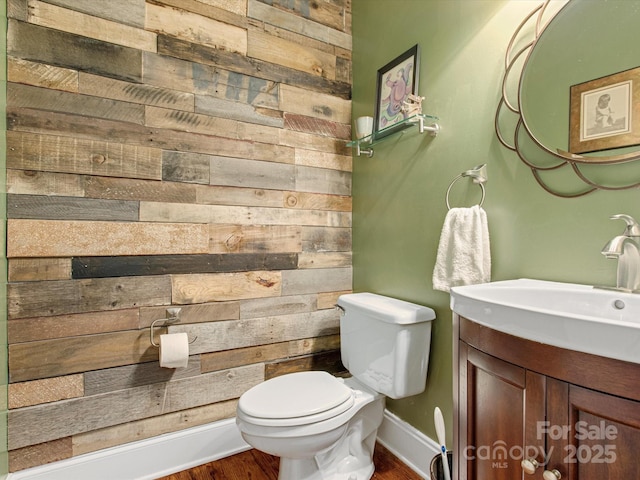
<point>572,316</point>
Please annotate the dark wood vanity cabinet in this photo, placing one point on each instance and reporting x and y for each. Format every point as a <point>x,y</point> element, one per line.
<point>576,415</point>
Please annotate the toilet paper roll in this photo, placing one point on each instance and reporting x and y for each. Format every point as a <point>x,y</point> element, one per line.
<point>174,350</point>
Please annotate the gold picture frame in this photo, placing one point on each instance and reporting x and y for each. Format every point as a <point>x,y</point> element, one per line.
<point>605,113</point>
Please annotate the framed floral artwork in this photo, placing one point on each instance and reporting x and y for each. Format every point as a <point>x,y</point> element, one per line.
<point>396,81</point>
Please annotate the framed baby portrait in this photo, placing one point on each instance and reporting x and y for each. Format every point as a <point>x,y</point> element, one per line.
<point>396,81</point>
<point>605,113</point>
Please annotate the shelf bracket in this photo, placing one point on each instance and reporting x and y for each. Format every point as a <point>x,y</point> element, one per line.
<point>433,129</point>
<point>364,151</point>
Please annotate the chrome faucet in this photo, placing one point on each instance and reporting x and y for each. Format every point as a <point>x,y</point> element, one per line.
<point>626,249</point>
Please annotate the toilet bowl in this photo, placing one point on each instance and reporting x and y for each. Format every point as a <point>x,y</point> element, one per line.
<point>321,427</point>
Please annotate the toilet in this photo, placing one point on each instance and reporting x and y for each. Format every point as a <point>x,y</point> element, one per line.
<point>323,427</point>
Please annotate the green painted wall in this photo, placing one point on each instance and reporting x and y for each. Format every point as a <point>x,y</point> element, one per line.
<point>399,194</point>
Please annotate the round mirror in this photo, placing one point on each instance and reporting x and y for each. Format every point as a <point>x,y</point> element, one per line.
<point>586,43</point>
<point>575,107</point>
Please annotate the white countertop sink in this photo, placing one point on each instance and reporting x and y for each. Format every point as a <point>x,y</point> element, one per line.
<point>572,316</point>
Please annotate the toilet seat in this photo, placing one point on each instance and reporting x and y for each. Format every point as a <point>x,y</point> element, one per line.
<point>295,399</point>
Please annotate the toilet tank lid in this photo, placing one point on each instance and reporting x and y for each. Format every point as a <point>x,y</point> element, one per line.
<point>387,309</point>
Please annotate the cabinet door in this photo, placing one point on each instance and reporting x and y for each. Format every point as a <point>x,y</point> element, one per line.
<point>598,438</point>
<point>500,405</point>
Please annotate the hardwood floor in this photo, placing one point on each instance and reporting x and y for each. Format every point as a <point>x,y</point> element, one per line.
<point>255,465</point>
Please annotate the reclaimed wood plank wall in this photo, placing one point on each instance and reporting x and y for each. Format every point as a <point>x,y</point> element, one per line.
<point>170,153</point>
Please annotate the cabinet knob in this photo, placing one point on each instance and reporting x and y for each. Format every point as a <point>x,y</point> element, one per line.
<point>529,466</point>
<point>551,475</point>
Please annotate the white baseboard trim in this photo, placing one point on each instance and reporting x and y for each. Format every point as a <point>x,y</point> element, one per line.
<point>147,459</point>
<point>173,452</point>
<point>407,443</point>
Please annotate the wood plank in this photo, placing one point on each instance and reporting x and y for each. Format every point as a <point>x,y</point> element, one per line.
<point>240,111</point>
<point>17,9</point>
<point>99,86</point>
<point>47,390</point>
<point>307,26</point>
<point>265,353</point>
<point>206,124</point>
<point>254,238</point>
<point>53,153</point>
<point>344,69</point>
<point>270,49</point>
<point>312,158</point>
<point>140,190</point>
<point>226,335</point>
<point>120,378</point>
<point>326,12</point>
<point>323,180</point>
<point>42,75</point>
<point>186,167</point>
<point>214,83</point>
<point>41,454</point>
<point>38,269</point>
<point>129,12</point>
<point>68,238</point>
<point>195,28</point>
<point>41,44</point>
<point>237,172</point>
<point>324,260</point>
<point>43,299</point>
<point>294,99</point>
<point>325,361</point>
<point>221,214</point>
<point>266,307</point>
<point>70,208</point>
<point>217,195</point>
<point>197,313</point>
<point>227,11</point>
<point>62,356</point>
<point>65,418</point>
<point>330,299</point>
<point>297,282</point>
<point>136,136</point>
<point>310,141</point>
<point>151,427</point>
<point>62,326</point>
<point>315,201</point>
<point>28,96</point>
<point>249,66</point>
<point>216,287</point>
<point>315,239</point>
<point>71,21</point>
<point>298,38</point>
<point>128,265</point>
<point>31,182</point>
<point>317,126</point>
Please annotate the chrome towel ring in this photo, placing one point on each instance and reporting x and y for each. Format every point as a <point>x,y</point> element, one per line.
<point>479,176</point>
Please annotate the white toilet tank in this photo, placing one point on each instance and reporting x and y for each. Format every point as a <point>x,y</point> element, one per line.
<point>385,342</point>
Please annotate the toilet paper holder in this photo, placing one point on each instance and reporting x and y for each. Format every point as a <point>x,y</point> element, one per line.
<point>173,316</point>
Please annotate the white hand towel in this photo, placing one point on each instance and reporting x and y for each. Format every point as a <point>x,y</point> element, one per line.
<point>464,255</point>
